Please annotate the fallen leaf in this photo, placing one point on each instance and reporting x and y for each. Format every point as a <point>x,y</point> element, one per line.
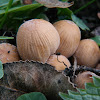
<point>55,3</point>
<point>35,77</point>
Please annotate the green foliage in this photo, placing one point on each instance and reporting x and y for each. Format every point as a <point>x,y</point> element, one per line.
<point>6,11</point>
<point>91,92</point>
<point>1,70</point>
<point>5,37</point>
<point>68,14</point>
<point>32,96</point>
<point>13,13</point>
<point>97,39</point>
<point>79,22</point>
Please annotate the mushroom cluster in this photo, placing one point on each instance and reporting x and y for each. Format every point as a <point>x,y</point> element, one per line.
<point>38,40</point>
<point>41,41</point>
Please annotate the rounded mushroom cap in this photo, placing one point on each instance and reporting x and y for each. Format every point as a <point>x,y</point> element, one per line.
<point>58,62</point>
<point>70,36</point>
<point>98,66</point>
<point>8,53</point>
<point>87,53</point>
<point>37,39</point>
<point>84,77</point>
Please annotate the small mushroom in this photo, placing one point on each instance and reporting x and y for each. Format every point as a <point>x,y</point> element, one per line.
<point>8,53</point>
<point>87,53</point>
<point>37,39</point>
<point>60,62</point>
<point>84,77</point>
<point>70,36</point>
<point>98,66</point>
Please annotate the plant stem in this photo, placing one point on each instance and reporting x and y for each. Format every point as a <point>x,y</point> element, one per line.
<point>84,6</point>
<point>6,12</point>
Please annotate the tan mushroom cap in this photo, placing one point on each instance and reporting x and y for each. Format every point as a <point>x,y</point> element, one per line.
<point>37,39</point>
<point>98,66</point>
<point>57,62</point>
<point>84,77</point>
<point>87,53</point>
<point>8,53</point>
<point>70,36</point>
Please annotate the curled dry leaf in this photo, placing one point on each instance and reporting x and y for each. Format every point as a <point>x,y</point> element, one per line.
<point>55,3</point>
<point>34,76</point>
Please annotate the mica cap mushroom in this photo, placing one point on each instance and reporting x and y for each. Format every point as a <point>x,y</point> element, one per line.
<point>37,39</point>
<point>70,36</point>
<point>84,77</point>
<point>87,53</point>
<point>8,53</point>
<point>59,61</point>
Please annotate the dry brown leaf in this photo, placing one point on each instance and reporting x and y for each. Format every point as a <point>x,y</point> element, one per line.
<point>55,3</point>
<point>34,76</point>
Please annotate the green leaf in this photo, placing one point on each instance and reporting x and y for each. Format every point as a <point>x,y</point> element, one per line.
<point>91,92</point>
<point>91,97</point>
<point>91,89</point>
<point>82,91</point>
<point>96,39</point>
<point>5,37</point>
<point>64,12</point>
<point>96,81</point>
<point>17,14</point>
<point>22,8</point>
<point>74,95</point>
<point>1,70</point>
<point>32,96</point>
<point>65,96</point>
<point>79,22</point>
<point>5,2</point>
<point>6,12</point>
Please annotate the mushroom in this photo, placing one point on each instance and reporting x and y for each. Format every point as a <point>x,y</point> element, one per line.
<point>84,77</point>
<point>60,62</point>
<point>98,66</point>
<point>8,53</point>
<point>70,36</point>
<point>37,39</point>
<point>87,53</point>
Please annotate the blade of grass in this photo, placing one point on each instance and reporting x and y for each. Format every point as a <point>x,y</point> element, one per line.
<point>6,12</point>
<point>5,37</point>
<point>84,6</point>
